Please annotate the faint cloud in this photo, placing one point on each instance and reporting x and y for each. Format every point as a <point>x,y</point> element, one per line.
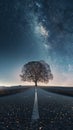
<point>47,46</point>
<point>38,5</point>
<point>70,67</point>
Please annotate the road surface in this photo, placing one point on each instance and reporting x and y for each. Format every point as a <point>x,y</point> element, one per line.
<point>55,111</point>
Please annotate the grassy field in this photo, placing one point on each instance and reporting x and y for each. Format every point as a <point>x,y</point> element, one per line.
<point>12,90</point>
<point>68,91</point>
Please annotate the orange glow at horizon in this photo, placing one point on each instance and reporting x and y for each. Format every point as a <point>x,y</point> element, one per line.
<point>51,83</point>
<point>60,79</point>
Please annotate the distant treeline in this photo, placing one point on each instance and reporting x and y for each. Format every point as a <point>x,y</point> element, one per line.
<point>9,91</point>
<point>68,91</point>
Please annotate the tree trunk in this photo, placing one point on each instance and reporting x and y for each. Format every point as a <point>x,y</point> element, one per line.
<point>35,83</point>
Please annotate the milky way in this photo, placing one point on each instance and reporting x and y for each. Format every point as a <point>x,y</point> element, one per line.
<point>36,30</point>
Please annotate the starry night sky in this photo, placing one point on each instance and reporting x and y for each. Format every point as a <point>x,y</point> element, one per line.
<point>36,30</point>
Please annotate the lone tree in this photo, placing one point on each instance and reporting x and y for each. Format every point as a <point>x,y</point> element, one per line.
<point>36,71</point>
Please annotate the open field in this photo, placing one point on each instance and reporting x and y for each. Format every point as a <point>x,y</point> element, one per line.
<point>12,90</point>
<point>68,91</point>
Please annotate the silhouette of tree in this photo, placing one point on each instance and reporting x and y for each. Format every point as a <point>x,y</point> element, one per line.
<point>36,71</point>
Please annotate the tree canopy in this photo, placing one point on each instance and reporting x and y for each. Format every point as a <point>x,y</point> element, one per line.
<point>36,71</point>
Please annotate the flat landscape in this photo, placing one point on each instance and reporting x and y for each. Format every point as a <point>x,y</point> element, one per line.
<point>68,91</point>
<point>55,111</point>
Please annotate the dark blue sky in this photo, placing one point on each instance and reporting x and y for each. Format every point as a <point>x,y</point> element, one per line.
<point>36,30</point>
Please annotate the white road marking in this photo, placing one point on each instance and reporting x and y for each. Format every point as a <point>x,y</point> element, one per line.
<point>35,113</point>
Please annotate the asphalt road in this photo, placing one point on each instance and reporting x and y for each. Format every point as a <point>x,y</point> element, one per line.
<point>55,111</point>
<point>16,110</point>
